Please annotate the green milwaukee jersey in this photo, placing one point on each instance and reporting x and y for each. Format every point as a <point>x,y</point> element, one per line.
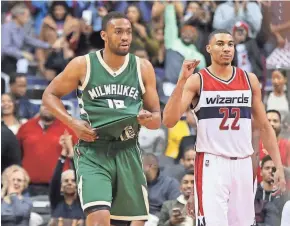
<point>111,100</point>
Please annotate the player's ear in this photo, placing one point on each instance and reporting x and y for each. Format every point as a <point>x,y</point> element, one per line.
<point>208,49</point>
<point>104,35</point>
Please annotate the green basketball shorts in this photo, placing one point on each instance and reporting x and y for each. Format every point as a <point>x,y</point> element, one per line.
<point>111,174</point>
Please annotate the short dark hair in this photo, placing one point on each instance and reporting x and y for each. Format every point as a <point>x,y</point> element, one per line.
<point>14,76</point>
<point>186,149</point>
<point>218,31</point>
<point>151,158</point>
<point>187,172</point>
<point>265,159</point>
<point>110,16</point>
<point>276,112</point>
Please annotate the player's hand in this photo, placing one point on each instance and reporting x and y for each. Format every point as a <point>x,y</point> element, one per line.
<point>83,130</point>
<point>190,208</point>
<point>279,181</point>
<point>187,68</point>
<point>144,117</point>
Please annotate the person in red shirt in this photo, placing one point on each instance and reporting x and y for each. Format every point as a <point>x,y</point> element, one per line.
<point>39,139</point>
<point>274,118</point>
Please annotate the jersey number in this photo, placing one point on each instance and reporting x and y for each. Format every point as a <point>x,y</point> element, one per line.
<point>226,113</point>
<point>116,104</point>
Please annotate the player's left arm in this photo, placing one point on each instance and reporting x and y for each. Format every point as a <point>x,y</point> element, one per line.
<point>266,131</point>
<point>150,116</point>
<point>256,155</point>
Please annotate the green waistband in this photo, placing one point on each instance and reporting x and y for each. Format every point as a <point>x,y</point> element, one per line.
<point>115,144</point>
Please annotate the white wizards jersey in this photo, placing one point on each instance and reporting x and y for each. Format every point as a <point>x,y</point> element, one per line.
<point>223,115</point>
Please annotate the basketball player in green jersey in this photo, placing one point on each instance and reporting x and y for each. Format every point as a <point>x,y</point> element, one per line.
<point>117,94</point>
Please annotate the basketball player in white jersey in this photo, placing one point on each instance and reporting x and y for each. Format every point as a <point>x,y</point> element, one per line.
<point>223,99</point>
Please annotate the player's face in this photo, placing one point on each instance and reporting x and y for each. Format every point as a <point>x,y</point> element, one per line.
<point>187,184</point>
<point>222,49</point>
<point>275,122</point>
<point>118,36</point>
<point>266,171</point>
<point>68,183</point>
<point>278,81</point>
<point>188,160</point>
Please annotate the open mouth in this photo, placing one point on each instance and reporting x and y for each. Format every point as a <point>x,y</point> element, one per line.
<point>125,45</point>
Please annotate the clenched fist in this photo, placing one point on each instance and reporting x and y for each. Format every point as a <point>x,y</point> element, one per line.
<point>187,68</point>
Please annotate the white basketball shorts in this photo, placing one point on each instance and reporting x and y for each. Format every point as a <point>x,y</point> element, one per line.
<point>224,193</point>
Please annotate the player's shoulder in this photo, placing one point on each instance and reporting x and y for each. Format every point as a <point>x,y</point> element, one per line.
<point>195,79</point>
<point>254,81</point>
<point>144,63</point>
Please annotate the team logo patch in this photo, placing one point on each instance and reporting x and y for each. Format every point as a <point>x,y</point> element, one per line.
<point>206,163</point>
<point>128,133</point>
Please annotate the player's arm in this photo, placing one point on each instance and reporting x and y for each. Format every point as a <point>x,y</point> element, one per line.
<point>266,131</point>
<point>180,100</point>
<point>255,142</point>
<point>150,97</point>
<point>63,84</point>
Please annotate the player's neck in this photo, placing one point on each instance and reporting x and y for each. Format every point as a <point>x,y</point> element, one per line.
<point>112,60</point>
<point>221,71</point>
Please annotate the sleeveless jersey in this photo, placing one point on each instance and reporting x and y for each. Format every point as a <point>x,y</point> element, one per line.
<point>110,101</point>
<point>223,113</point>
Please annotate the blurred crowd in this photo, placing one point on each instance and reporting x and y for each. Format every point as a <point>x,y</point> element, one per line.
<point>39,38</point>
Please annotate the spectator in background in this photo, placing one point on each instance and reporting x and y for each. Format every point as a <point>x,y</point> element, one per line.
<point>200,14</point>
<point>179,48</point>
<point>57,24</point>
<point>158,61</point>
<point>64,202</point>
<point>141,33</point>
<point>18,87</point>
<point>141,52</point>
<point>39,141</point>
<point>280,28</point>
<point>160,188</point>
<point>232,11</point>
<point>266,203</point>
<point>15,208</point>
<point>186,162</point>
<point>13,38</point>
<point>10,149</point>
<point>277,98</point>
<point>248,55</point>
<point>274,118</point>
<point>173,212</point>
<point>9,113</point>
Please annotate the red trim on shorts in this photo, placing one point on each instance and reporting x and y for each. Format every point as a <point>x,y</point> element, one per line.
<point>198,180</point>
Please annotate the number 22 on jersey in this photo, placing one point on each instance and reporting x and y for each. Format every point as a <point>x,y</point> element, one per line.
<point>225,125</point>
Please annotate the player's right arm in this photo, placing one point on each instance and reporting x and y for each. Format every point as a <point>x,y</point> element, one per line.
<point>186,89</point>
<point>63,84</point>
